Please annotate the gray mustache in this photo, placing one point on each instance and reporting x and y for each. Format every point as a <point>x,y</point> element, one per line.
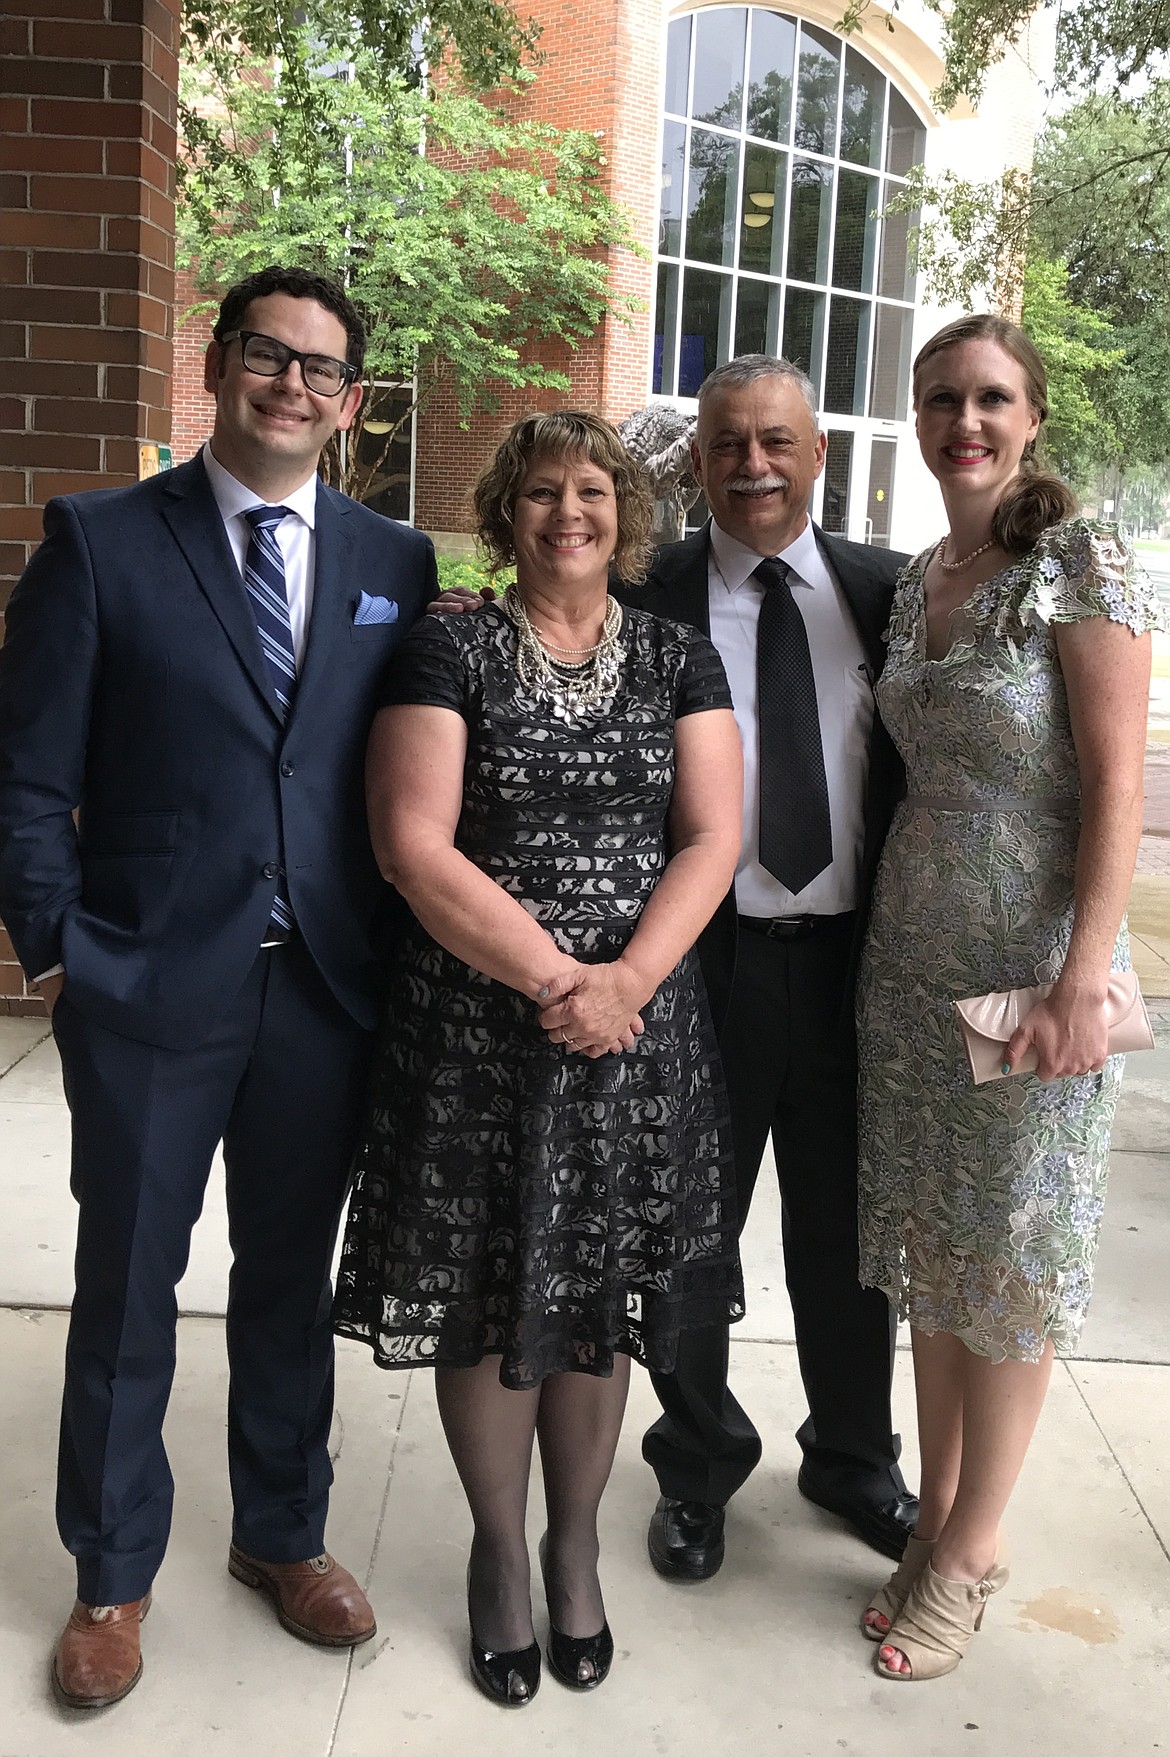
<point>756,484</point>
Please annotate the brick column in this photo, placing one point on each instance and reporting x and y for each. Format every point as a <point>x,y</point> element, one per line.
<point>192,410</point>
<point>632,147</point>
<point>87,149</point>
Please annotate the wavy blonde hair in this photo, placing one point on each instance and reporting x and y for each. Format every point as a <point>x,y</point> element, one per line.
<point>560,434</point>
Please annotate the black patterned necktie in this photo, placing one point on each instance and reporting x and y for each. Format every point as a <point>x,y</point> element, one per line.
<point>796,839</point>
<point>264,579</point>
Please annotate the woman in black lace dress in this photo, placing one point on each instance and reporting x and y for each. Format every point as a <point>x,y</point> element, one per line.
<point>544,1188</point>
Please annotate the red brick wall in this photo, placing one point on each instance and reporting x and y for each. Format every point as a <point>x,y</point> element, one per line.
<point>603,72</point>
<point>193,410</point>
<point>448,457</point>
<point>87,146</point>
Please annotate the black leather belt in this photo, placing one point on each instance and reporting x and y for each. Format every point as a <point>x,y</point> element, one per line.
<point>794,927</point>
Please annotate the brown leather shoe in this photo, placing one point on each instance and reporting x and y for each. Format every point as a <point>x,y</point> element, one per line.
<point>318,1600</point>
<point>98,1659</point>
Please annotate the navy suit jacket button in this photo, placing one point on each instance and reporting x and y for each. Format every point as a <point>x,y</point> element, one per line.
<point>271,871</point>
<point>286,768</point>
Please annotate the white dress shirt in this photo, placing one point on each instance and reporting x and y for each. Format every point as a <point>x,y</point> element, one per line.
<point>294,537</point>
<point>844,701</point>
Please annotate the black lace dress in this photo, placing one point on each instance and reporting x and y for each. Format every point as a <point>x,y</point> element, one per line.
<point>512,1197</point>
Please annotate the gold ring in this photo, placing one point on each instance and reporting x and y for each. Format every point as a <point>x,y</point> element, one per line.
<point>570,1041</point>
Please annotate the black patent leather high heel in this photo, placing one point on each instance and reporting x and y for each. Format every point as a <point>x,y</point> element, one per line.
<point>510,1676</point>
<point>569,1655</point>
<point>580,1662</point>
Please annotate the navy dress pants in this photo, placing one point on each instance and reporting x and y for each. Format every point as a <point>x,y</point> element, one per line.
<point>790,1061</point>
<point>280,1081</point>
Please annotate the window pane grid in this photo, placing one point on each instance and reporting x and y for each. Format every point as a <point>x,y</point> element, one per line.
<point>769,72</point>
<point>717,45</point>
<point>677,98</point>
<point>805,152</point>
<point>782,146</point>
<point>822,378</point>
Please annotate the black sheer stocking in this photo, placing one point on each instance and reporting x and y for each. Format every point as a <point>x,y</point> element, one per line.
<point>490,1431</point>
<point>578,1426</point>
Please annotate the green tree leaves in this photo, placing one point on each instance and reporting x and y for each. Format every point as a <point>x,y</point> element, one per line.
<point>1101,206</point>
<point>1076,346</point>
<point>463,234</point>
<point>1116,40</point>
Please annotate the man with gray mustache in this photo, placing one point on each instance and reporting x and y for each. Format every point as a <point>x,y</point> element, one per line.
<point>798,618</point>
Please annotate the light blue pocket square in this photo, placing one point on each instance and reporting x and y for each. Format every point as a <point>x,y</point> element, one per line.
<point>374,610</point>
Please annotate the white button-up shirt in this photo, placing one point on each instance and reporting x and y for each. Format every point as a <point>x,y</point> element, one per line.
<point>294,536</point>
<point>845,703</point>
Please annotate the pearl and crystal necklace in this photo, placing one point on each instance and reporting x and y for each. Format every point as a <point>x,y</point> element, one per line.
<point>956,566</point>
<point>593,672</point>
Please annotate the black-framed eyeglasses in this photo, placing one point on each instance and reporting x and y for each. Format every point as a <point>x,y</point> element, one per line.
<point>268,358</point>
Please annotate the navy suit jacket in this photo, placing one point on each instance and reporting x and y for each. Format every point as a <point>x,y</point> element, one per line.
<point>133,693</point>
<point>677,586</point>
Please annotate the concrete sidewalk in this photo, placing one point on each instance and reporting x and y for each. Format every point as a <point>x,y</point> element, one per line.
<point>1149,899</point>
<point>767,1656</point>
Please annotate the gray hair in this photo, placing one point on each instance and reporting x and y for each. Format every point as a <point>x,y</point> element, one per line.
<point>746,368</point>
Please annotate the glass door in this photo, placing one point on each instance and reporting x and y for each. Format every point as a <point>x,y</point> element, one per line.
<point>835,482</point>
<point>855,495</point>
<point>880,499</point>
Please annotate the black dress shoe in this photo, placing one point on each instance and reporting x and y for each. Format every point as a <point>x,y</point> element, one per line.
<point>685,1539</point>
<point>511,1679</point>
<point>568,1653</point>
<point>884,1525</point>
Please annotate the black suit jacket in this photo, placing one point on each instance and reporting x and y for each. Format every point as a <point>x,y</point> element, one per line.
<point>676,587</point>
<point>134,691</point>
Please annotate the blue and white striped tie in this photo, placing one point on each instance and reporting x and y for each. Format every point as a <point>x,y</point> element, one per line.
<point>265,582</point>
<point>264,578</point>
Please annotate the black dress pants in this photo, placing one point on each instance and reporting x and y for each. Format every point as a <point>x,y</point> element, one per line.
<point>789,1055</point>
<point>280,1080</point>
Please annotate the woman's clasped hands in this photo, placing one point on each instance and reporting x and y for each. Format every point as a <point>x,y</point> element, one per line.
<point>593,1009</point>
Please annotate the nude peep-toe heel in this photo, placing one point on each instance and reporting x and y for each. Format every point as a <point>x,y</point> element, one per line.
<point>937,1621</point>
<point>888,1600</point>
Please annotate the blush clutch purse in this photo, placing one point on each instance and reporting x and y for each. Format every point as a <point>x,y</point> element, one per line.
<point>988,1022</point>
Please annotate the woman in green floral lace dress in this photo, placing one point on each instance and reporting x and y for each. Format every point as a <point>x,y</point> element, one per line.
<point>1015,688</point>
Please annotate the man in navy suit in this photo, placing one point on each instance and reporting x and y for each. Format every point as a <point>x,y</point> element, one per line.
<point>191,667</point>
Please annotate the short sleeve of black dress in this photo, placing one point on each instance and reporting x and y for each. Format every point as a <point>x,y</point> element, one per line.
<point>702,681</point>
<point>427,670</point>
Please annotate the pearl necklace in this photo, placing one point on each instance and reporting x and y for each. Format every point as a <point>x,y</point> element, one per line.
<point>593,678</point>
<point>576,652</point>
<point>956,566</point>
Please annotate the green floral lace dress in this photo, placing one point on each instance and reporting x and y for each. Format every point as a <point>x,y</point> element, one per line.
<point>980,1205</point>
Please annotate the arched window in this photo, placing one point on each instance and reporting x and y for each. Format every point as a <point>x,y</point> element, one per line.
<point>782,146</point>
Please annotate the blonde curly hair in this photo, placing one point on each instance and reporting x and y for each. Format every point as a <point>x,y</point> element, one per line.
<point>560,434</point>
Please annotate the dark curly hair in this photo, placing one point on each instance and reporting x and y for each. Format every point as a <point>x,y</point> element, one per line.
<point>564,433</point>
<point>1038,498</point>
<point>298,283</point>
